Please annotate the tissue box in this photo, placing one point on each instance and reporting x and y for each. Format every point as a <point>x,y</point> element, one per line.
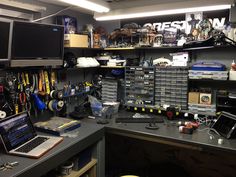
<point>75,40</point>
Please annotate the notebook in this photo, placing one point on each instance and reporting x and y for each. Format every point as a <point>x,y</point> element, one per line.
<point>20,138</point>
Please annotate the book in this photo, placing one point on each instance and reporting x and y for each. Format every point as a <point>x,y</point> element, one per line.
<point>57,125</point>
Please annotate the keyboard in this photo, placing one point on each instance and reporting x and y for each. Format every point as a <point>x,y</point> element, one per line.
<point>32,144</point>
<point>140,120</point>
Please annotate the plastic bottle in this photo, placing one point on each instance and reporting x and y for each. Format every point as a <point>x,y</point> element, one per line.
<point>233,66</point>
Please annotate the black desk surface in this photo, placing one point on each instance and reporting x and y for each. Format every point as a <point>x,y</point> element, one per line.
<point>168,133</point>
<point>89,133</point>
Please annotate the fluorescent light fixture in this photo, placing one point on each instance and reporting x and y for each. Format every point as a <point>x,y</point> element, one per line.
<point>94,6</point>
<point>165,9</point>
<point>164,12</point>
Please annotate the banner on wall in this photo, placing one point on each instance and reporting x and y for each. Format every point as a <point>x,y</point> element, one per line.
<point>184,22</point>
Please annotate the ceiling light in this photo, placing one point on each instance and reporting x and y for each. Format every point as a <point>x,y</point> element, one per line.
<point>88,5</point>
<point>163,12</point>
<point>165,9</point>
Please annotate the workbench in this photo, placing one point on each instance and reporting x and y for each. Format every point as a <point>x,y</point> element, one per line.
<point>91,133</point>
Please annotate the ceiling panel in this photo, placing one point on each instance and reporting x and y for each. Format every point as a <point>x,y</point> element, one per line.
<point>121,4</point>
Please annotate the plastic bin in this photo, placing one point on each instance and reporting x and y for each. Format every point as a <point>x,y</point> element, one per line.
<point>114,105</point>
<point>96,110</point>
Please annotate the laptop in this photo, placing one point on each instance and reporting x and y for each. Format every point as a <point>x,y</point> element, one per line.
<point>20,138</point>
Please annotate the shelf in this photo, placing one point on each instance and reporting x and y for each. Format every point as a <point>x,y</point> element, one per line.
<point>143,48</point>
<point>112,66</point>
<point>222,96</point>
<point>80,93</point>
<point>211,80</point>
<point>83,48</point>
<point>225,106</point>
<point>154,48</point>
<point>120,48</point>
<point>162,109</point>
<point>83,170</point>
<point>200,112</point>
<point>87,67</point>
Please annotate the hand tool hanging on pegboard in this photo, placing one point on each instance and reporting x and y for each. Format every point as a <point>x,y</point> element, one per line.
<point>11,88</point>
<point>47,86</point>
<point>2,102</point>
<point>39,90</point>
<point>27,92</point>
<point>21,91</point>
<point>41,84</point>
<point>53,80</point>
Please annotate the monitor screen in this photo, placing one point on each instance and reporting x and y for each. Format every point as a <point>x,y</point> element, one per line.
<point>225,124</point>
<point>34,40</point>
<point>16,130</point>
<point>4,39</point>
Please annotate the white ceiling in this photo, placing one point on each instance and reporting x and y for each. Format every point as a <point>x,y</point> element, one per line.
<point>122,4</point>
<point>116,4</point>
<point>126,4</point>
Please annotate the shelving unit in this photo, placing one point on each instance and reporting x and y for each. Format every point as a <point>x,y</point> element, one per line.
<point>90,168</point>
<point>191,83</point>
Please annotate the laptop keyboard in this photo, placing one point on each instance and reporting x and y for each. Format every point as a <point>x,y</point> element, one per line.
<point>32,144</point>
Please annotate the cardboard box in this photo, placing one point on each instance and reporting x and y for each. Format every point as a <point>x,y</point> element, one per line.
<point>193,97</point>
<point>75,40</point>
<point>205,98</point>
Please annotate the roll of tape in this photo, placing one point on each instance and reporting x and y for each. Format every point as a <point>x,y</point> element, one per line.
<point>56,94</point>
<point>54,105</point>
<point>50,105</point>
<point>3,114</point>
<point>60,104</point>
<point>52,93</point>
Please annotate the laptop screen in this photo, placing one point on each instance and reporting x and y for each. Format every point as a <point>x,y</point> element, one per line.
<point>16,130</point>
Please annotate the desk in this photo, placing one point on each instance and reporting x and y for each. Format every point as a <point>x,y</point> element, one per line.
<point>89,134</point>
<point>168,134</point>
<point>197,152</point>
<point>92,133</point>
